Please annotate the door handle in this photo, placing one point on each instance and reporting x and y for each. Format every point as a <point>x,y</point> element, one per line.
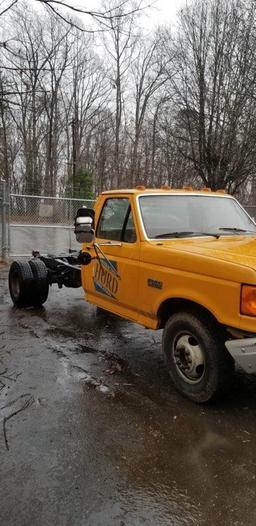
<point>110,244</point>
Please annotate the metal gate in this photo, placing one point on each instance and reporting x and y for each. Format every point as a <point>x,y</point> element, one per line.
<point>42,223</point>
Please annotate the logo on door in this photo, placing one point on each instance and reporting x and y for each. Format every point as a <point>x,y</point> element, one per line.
<point>105,280</point>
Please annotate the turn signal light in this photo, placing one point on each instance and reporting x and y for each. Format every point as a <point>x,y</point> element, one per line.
<point>248,300</point>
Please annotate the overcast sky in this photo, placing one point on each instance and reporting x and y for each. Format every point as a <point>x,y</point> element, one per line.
<point>161,12</point>
<point>164,11</point>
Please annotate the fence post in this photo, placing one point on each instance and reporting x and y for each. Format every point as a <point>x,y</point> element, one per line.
<point>1,220</point>
<point>69,223</point>
<point>5,220</point>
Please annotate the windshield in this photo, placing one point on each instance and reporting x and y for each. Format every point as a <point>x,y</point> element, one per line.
<point>165,215</point>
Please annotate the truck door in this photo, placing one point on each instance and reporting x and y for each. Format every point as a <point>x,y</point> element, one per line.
<point>113,283</point>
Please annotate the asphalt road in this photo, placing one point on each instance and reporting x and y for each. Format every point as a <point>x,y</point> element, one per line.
<point>92,432</point>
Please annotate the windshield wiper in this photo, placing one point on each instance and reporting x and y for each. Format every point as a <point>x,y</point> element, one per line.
<point>186,234</point>
<point>234,229</point>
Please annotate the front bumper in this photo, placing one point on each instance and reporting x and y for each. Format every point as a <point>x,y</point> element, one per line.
<point>244,353</point>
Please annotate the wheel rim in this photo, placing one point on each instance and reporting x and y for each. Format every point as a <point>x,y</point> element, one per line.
<point>188,358</point>
<point>15,286</point>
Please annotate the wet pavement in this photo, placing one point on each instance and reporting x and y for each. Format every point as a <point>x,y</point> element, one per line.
<point>92,432</point>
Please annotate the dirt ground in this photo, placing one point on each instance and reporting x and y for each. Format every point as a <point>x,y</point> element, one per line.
<point>92,432</point>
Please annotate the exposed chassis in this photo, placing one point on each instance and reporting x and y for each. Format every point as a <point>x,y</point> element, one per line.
<point>64,269</point>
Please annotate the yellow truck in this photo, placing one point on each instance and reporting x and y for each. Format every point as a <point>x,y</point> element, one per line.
<point>179,260</point>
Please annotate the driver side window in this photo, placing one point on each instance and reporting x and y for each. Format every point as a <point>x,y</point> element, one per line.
<point>116,222</point>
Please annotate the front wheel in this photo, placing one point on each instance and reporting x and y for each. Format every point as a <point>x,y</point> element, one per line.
<point>196,357</point>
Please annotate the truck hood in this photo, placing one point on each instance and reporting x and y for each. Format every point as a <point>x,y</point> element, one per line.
<point>231,258</point>
<point>240,250</point>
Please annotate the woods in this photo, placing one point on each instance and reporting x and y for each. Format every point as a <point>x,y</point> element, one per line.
<point>82,110</point>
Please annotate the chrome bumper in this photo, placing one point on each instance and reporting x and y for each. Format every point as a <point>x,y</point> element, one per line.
<point>244,353</point>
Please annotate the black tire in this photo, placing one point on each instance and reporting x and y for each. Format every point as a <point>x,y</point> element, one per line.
<point>198,362</point>
<point>21,283</point>
<point>41,284</point>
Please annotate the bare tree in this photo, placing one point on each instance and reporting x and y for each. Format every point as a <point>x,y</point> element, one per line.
<point>103,18</point>
<point>83,101</point>
<point>58,64</point>
<point>4,132</point>
<point>169,110</point>
<point>149,76</point>
<point>35,71</point>
<point>30,62</point>
<point>120,45</point>
<point>214,90</point>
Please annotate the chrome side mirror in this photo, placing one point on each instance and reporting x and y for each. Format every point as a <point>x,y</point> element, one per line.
<point>84,225</point>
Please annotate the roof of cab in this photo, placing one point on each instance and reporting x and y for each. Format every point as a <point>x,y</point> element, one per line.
<point>140,190</point>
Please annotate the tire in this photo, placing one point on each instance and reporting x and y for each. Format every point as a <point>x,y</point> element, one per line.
<point>41,284</point>
<point>197,360</point>
<point>21,283</point>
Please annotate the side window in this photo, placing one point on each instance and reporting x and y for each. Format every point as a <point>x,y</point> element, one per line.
<point>129,235</point>
<point>112,219</point>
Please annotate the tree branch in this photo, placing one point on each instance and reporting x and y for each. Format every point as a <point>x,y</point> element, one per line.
<point>9,7</point>
<point>94,14</point>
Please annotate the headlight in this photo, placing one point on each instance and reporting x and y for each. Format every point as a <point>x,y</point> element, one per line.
<point>248,300</point>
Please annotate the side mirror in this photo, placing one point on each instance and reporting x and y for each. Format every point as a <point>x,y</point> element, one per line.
<point>84,225</point>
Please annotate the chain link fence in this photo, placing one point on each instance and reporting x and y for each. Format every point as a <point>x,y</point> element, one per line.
<point>40,210</point>
<point>34,222</point>
<point>42,223</point>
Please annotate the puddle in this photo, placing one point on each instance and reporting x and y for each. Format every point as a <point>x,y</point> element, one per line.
<point>83,376</point>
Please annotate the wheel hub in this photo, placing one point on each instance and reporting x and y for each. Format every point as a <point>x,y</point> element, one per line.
<point>189,358</point>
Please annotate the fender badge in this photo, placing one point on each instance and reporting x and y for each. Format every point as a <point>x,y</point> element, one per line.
<point>155,284</point>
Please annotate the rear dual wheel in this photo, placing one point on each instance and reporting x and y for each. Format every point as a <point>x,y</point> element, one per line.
<point>40,273</point>
<point>28,283</point>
